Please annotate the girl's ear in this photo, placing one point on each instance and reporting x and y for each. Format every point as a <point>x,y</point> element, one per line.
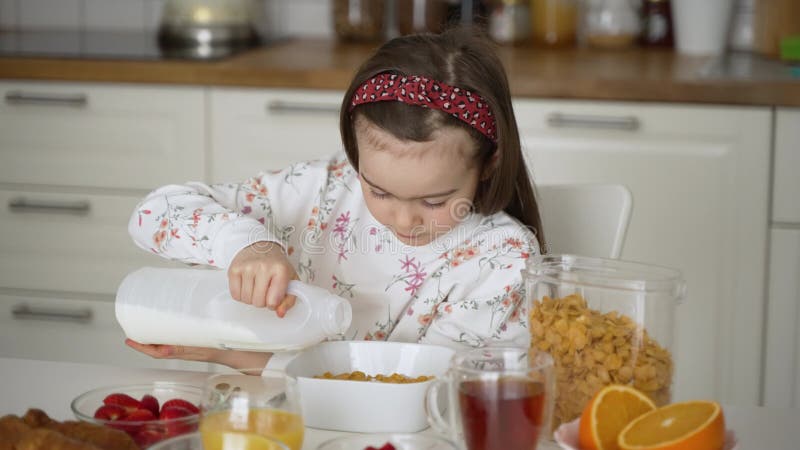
<point>490,166</point>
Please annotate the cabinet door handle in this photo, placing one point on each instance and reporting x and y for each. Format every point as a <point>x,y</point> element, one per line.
<point>21,205</point>
<point>27,312</point>
<point>285,107</point>
<point>29,98</point>
<point>624,123</point>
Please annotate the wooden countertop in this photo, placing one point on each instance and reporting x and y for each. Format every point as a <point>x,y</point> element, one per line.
<point>630,75</point>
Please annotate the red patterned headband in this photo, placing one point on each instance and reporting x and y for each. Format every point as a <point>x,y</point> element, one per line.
<point>462,104</point>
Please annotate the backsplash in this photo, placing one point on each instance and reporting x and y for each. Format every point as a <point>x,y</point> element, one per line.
<point>293,17</point>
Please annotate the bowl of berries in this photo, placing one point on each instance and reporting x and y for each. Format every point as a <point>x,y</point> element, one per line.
<point>388,441</point>
<point>149,413</point>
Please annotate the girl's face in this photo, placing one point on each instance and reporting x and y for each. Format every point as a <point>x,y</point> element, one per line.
<point>419,190</point>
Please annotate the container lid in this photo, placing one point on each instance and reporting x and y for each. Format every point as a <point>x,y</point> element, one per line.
<point>790,48</point>
<point>607,273</point>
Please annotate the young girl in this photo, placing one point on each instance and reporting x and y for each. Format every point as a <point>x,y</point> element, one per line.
<point>424,225</point>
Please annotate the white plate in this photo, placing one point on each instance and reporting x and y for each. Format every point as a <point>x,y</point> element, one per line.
<point>566,436</point>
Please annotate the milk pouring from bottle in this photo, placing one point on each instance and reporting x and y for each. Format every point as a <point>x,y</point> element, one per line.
<point>194,307</point>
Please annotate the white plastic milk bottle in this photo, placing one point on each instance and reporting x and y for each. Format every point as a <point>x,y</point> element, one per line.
<point>194,307</point>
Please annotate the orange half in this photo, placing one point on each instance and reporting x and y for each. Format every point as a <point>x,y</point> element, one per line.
<point>608,413</point>
<point>696,425</point>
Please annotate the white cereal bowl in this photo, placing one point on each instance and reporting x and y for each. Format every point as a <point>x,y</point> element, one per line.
<point>363,406</point>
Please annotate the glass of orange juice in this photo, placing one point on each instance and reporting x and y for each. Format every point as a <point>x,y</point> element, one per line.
<point>237,406</point>
<point>193,441</point>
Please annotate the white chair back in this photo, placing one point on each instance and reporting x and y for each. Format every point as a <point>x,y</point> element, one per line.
<point>585,219</point>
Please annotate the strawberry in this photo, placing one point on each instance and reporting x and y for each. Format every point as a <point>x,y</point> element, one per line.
<point>177,426</point>
<point>140,415</point>
<point>124,400</point>
<point>173,412</point>
<point>110,412</point>
<point>147,437</point>
<point>182,403</point>
<point>150,403</point>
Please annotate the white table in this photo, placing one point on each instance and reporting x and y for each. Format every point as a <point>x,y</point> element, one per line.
<point>51,386</point>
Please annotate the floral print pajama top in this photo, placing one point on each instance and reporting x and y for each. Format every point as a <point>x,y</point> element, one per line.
<point>463,289</point>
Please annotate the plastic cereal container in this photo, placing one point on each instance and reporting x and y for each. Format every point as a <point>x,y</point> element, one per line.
<point>604,322</point>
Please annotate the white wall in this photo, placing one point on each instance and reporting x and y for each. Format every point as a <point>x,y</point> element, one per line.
<point>294,17</point>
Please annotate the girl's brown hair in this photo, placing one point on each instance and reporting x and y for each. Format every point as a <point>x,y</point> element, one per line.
<point>461,57</point>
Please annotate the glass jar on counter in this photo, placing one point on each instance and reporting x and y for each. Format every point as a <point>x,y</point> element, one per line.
<point>657,23</point>
<point>604,322</point>
<point>611,23</point>
<point>554,22</point>
<point>509,21</point>
<point>419,16</point>
<point>359,20</point>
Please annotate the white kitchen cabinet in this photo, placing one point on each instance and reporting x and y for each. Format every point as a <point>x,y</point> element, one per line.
<point>786,194</point>
<point>74,242</point>
<point>699,178</point>
<point>108,136</point>
<point>75,159</point>
<point>782,347</point>
<point>70,329</point>
<point>263,129</point>
<point>782,370</point>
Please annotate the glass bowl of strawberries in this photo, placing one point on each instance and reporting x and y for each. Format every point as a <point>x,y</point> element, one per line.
<point>388,441</point>
<point>149,413</point>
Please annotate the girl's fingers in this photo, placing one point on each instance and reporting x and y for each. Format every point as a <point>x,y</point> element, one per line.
<point>260,285</point>
<point>159,351</point>
<point>248,280</point>
<point>152,350</point>
<point>286,305</point>
<point>289,301</point>
<point>235,285</point>
<point>277,288</point>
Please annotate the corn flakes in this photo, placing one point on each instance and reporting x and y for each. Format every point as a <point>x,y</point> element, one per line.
<point>361,376</point>
<point>591,349</point>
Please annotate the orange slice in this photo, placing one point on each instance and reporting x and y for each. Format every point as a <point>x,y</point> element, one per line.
<point>609,411</point>
<point>696,425</point>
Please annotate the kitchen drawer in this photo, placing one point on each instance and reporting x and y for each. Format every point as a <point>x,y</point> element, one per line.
<point>100,135</point>
<point>254,130</point>
<point>67,242</point>
<point>782,361</point>
<point>618,119</point>
<point>786,193</point>
<point>76,330</point>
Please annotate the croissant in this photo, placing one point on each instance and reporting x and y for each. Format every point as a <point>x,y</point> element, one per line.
<point>42,438</point>
<point>12,428</point>
<point>103,437</point>
<point>36,418</point>
<point>37,431</point>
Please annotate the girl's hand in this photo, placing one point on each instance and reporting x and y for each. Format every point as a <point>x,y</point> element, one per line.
<point>159,351</point>
<point>259,275</point>
<point>231,358</point>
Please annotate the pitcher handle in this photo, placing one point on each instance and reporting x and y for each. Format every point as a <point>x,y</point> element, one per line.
<point>300,291</point>
<point>435,419</point>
